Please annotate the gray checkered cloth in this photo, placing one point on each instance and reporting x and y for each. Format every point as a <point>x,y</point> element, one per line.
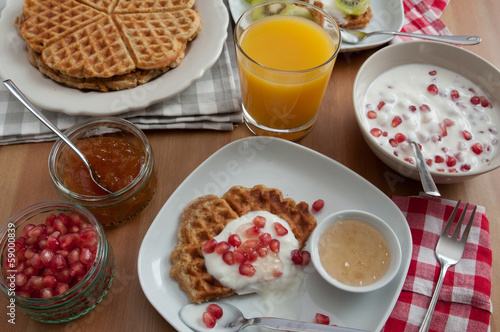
<point>212,102</point>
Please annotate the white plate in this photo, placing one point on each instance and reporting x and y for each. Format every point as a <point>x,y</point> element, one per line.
<point>303,175</point>
<point>387,15</point>
<point>201,54</point>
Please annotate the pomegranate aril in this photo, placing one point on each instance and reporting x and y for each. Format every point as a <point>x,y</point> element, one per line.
<point>376,132</point>
<point>433,73</point>
<point>438,159</point>
<point>86,256</point>
<point>209,320</point>
<point>88,235</point>
<point>277,273</point>
<point>215,310</point>
<point>454,94</point>
<point>208,247</point>
<point>296,257</point>
<point>318,205</point>
<point>477,148</point>
<point>280,229</point>
<point>75,219</point>
<point>433,89</point>
<point>66,241</point>
<point>49,281</point>
<point>36,282</point>
<point>27,228</point>
<point>262,252</point>
<point>380,105</point>
<point>451,161</point>
<point>274,245</point>
<point>259,221</point>
<point>475,100</point>
<point>306,257</point>
<point>222,247</point>
<point>58,262</point>
<point>35,232</point>
<point>59,226</point>
<point>36,261</point>
<point>265,239</point>
<point>424,108</point>
<point>46,293</point>
<point>371,114</point>
<point>484,102</point>
<point>234,240</point>
<point>465,167</point>
<point>74,256</point>
<point>61,288</point>
<point>20,279</point>
<point>30,271</point>
<point>467,135</point>
<point>253,231</point>
<point>228,258</point>
<point>247,270</point>
<point>53,242</point>
<point>400,137</point>
<point>322,319</point>
<point>64,276</point>
<point>77,269</point>
<point>239,257</point>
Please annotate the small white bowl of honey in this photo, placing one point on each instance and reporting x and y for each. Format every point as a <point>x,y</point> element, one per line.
<point>355,251</point>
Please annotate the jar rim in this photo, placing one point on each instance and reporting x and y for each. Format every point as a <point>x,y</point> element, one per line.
<point>44,207</point>
<point>83,125</point>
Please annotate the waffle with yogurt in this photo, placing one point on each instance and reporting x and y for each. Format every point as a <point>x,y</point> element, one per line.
<point>206,216</point>
<point>107,44</point>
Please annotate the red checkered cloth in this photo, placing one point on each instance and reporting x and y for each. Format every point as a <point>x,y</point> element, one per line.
<point>464,302</point>
<point>422,16</point>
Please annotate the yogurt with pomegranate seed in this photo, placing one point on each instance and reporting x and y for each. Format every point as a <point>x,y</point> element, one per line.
<point>454,121</point>
<point>266,263</point>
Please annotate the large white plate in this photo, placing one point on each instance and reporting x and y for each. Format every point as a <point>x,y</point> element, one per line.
<point>303,175</point>
<point>387,15</point>
<point>201,54</point>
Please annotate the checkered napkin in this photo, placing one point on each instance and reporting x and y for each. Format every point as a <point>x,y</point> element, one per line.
<point>464,302</point>
<point>212,102</point>
<point>422,16</point>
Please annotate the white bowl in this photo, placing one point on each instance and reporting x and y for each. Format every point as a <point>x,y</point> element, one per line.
<point>456,59</point>
<point>381,226</point>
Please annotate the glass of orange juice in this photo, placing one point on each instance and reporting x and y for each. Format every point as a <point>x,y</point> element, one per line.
<point>286,51</point>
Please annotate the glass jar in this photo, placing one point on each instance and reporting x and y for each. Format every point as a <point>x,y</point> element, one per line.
<point>123,204</point>
<point>84,292</point>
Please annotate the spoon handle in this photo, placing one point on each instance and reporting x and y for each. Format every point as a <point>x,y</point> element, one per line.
<point>425,176</point>
<point>22,98</point>
<point>459,40</point>
<point>292,325</point>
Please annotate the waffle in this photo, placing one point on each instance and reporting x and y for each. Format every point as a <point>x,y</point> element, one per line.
<point>107,44</point>
<point>206,216</point>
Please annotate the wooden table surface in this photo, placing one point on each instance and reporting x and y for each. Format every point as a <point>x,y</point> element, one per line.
<point>24,179</point>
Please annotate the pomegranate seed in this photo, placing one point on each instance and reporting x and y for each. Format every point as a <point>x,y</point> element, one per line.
<point>234,240</point>
<point>252,256</point>
<point>36,261</point>
<point>296,257</point>
<point>49,281</point>
<point>454,94</point>
<point>53,242</point>
<point>428,162</point>
<point>64,276</point>
<point>86,256</point>
<point>247,270</point>
<point>59,225</point>
<point>371,114</point>
<point>438,159</point>
<point>262,252</point>
<point>74,256</point>
<point>88,235</point>
<point>400,137</point>
<point>433,89</point>
<point>393,142</point>
<point>277,273</point>
<point>444,131</point>
<point>63,253</point>
<point>412,108</point>
<point>215,310</point>
<point>477,148</point>
<point>484,102</point>
<point>259,221</point>
<point>208,247</point>
<point>467,135</point>
<point>49,220</point>
<point>253,231</point>
<point>265,239</point>
<point>46,293</point>
<point>36,282</point>
<point>452,170</point>
<point>465,167</point>
<point>376,132</point>
<point>228,258</point>
<point>77,269</point>
<point>318,205</point>
<point>35,232</point>
<point>75,219</point>
<point>46,256</point>
<point>409,160</point>
<point>424,108</point>
<point>66,242</point>
<point>306,257</point>
<point>322,319</point>
<point>433,73</point>
<point>61,288</point>
<point>58,262</point>
<point>30,271</point>
<point>380,105</point>
<point>475,100</point>
<point>450,161</point>
<point>239,257</point>
<point>209,320</point>
<point>274,245</point>
<point>20,279</point>
<point>27,228</point>
<point>280,229</point>
<point>222,247</point>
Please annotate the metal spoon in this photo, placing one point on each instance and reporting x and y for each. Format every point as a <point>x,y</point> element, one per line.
<point>233,320</point>
<point>356,36</point>
<point>22,98</point>
<point>425,176</point>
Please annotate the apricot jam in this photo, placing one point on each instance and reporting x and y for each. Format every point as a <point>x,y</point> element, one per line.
<point>122,156</point>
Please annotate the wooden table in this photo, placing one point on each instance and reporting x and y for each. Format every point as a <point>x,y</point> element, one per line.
<point>25,180</point>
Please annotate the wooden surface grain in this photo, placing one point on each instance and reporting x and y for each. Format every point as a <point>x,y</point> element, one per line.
<point>24,179</point>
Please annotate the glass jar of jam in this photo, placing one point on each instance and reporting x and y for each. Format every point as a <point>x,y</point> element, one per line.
<point>122,157</point>
<point>56,262</point>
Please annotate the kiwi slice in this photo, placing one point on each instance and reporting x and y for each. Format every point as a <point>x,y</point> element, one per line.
<point>353,7</point>
<point>278,9</point>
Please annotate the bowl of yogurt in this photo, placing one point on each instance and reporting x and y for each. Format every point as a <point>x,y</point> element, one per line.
<point>443,96</point>
<point>355,251</point>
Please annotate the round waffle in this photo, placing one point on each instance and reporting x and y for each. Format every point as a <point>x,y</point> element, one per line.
<point>206,216</point>
<point>107,44</point>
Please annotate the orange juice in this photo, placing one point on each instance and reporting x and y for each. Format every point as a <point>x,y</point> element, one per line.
<point>285,72</point>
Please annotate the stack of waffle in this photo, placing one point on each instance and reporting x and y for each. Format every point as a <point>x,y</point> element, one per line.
<point>107,44</point>
<point>206,216</point>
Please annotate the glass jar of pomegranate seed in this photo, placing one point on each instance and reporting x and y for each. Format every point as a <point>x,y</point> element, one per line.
<point>122,157</point>
<point>56,263</point>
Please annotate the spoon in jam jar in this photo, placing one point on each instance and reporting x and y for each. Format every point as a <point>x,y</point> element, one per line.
<point>231,320</point>
<point>22,98</point>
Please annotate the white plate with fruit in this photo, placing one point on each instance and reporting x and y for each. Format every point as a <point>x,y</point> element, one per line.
<point>304,175</point>
<point>387,15</point>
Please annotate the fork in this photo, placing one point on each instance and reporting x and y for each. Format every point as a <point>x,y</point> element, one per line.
<point>449,250</point>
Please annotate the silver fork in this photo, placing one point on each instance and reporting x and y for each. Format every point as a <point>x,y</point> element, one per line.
<point>449,250</point>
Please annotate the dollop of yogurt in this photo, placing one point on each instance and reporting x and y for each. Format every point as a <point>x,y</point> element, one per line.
<point>454,121</point>
<point>274,271</point>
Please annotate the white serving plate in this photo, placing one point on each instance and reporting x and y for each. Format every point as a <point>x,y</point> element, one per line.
<point>201,54</point>
<point>304,175</point>
<point>387,15</point>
